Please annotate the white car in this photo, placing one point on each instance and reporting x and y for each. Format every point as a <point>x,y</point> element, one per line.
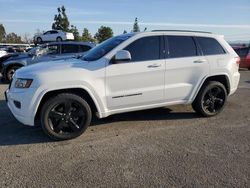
<point>129,72</point>
<point>3,53</point>
<point>53,35</point>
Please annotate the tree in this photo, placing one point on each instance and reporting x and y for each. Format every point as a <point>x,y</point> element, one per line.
<point>124,32</point>
<point>61,21</point>
<point>75,32</point>
<point>2,33</point>
<point>13,38</point>
<point>86,36</point>
<point>27,38</point>
<point>103,34</point>
<point>136,27</point>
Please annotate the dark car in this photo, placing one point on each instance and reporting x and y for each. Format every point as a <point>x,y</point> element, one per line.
<point>244,54</point>
<point>46,52</point>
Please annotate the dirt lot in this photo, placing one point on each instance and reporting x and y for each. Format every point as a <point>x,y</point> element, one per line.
<point>166,147</point>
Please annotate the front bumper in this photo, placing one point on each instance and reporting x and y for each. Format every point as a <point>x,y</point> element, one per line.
<point>24,114</point>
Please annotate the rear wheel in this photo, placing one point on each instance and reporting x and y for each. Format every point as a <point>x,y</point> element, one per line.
<point>39,40</point>
<point>65,116</point>
<point>10,72</point>
<point>211,99</point>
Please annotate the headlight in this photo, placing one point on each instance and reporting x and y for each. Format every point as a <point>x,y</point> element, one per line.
<point>23,83</point>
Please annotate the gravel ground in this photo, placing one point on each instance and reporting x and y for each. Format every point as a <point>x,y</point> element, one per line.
<point>165,147</point>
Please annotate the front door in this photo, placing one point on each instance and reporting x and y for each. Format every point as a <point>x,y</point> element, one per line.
<point>140,81</point>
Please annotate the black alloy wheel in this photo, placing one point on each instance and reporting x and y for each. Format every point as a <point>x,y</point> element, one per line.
<point>211,99</point>
<point>214,100</point>
<point>65,116</point>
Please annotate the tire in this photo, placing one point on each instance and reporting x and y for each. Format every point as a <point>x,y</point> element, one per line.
<point>59,39</point>
<point>39,40</point>
<point>248,68</point>
<point>211,99</point>
<point>65,116</point>
<point>10,71</point>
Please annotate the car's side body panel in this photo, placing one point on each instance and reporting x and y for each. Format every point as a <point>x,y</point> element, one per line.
<point>125,87</point>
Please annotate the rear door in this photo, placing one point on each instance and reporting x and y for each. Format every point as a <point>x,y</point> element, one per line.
<point>185,67</point>
<point>53,35</point>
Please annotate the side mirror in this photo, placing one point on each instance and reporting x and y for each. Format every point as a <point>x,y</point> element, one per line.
<point>122,56</point>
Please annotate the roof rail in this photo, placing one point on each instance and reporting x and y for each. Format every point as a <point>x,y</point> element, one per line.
<point>182,31</point>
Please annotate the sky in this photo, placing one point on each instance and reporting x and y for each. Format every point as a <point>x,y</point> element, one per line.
<point>230,18</point>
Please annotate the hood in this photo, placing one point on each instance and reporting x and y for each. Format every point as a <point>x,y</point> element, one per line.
<point>50,66</point>
<point>19,56</point>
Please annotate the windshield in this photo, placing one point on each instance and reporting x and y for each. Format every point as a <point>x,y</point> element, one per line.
<point>105,47</point>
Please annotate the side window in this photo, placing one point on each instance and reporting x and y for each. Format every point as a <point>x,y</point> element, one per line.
<point>69,48</point>
<point>47,33</point>
<point>181,46</point>
<point>52,49</point>
<point>147,48</point>
<point>210,46</point>
<point>53,32</point>
<point>84,48</point>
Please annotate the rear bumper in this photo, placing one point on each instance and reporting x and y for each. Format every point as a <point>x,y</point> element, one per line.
<point>234,82</point>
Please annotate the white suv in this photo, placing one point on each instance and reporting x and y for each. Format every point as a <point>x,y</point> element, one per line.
<point>53,35</point>
<point>126,73</point>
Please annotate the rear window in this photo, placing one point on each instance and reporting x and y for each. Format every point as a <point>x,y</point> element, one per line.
<point>181,46</point>
<point>210,46</point>
<point>84,48</point>
<point>69,48</point>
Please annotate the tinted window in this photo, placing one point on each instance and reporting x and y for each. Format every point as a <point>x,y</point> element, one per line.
<point>84,48</point>
<point>181,46</point>
<point>53,32</point>
<point>52,49</point>
<point>69,48</point>
<point>147,48</point>
<point>210,46</point>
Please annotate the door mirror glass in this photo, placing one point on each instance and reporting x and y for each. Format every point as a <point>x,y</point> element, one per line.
<point>122,56</point>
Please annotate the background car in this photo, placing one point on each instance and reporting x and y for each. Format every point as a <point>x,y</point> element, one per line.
<point>244,54</point>
<point>6,53</point>
<point>46,52</point>
<point>53,35</point>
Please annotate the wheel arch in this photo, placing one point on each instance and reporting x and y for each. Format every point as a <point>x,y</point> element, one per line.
<point>82,92</point>
<point>8,66</point>
<point>222,78</point>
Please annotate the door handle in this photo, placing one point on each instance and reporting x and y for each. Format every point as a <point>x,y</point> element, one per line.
<point>154,66</point>
<point>200,61</point>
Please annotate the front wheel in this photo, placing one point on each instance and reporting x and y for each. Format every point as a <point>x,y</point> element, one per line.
<point>211,99</point>
<point>65,116</point>
<point>10,72</point>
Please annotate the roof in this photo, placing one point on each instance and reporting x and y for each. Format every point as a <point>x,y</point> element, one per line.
<point>184,31</point>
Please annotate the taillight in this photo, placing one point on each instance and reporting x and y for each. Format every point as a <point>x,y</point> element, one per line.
<point>237,60</point>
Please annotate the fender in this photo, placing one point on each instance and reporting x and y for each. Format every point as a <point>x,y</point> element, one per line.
<point>97,101</point>
<point>193,96</point>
